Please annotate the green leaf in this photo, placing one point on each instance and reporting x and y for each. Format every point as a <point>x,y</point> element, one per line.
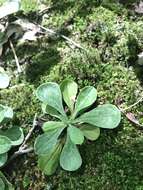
<point>90,132</point>
<point>5,144</point>
<point>2,113</point>
<point>49,163</point>
<point>50,94</point>
<point>5,112</point>
<point>86,98</point>
<point>104,116</point>
<point>3,159</point>
<point>2,185</point>
<point>69,90</point>
<point>8,112</point>
<point>52,125</point>
<point>46,142</point>
<point>9,7</point>
<point>70,158</point>
<point>4,80</point>
<point>52,111</point>
<point>76,135</point>
<point>8,185</point>
<point>15,134</point>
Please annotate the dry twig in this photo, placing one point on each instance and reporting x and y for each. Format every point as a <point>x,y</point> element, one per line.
<point>23,148</point>
<point>16,58</point>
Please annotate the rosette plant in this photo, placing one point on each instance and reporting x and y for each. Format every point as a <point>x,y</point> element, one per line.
<point>72,124</point>
<point>9,137</point>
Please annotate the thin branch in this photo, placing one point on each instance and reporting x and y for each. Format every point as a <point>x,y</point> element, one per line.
<point>16,58</point>
<point>133,105</point>
<point>30,132</point>
<point>63,36</point>
<point>23,148</point>
<point>16,154</point>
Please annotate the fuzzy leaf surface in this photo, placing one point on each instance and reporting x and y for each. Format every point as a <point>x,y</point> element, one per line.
<point>47,141</point>
<point>69,90</point>
<point>5,144</point>
<point>86,98</point>
<point>49,163</point>
<point>104,116</point>
<point>3,159</point>
<point>52,125</point>
<point>70,158</point>
<point>90,132</point>
<point>50,94</point>
<point>76,135</point>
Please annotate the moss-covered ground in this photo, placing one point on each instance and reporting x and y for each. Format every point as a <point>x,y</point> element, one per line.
<point>112,34</point>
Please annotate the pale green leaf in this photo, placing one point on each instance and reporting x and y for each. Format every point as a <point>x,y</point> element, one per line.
<point>8,185</point>
<point>70,158</point>
<point>5,112</point>
<point>2,185</point>
<point>51,111</point>
<point>5,144</point>
<point>49,163</point>
<point>4,80</point>
<point>3,159</point>
<point>50,94</point>
<point>52,125</point>
<point>86,98</point>
<point>90,132</point>
<point>8,112</point>
<point>69,90</point>
<point>104,116</point>
<point>9,7</point>
<point>15,134</point>
<point>46,142</point>
<point>76,135</point>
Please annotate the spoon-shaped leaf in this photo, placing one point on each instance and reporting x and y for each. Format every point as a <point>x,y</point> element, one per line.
<point>46,142</point>
<point>5,144</point>
<point>3,159</point>
<point>4,80</point>
<point>8,185</point>
<point>5,112</point>
<point>69,90</point>
<point>2,185</point>
<point>15,134</point>
<point>52,125</point>
<point>104,116</point>
<point>9,7</point>
<point>48,163</point>
<point>53,112</point>
<point>90,132</point>
<point>50,94</point>
<point>50,110</point>
<point>76,135</point>
<point>70,158</point>
<point>86,98</point>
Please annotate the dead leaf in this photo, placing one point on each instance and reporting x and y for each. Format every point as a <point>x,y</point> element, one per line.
<point>133,119</point>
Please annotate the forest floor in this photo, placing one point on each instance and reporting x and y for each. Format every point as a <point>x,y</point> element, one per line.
<point>112,36</point>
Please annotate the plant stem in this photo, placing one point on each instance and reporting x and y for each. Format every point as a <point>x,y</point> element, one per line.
<point>16,58</point>
<point>133,105</point>
<point>30,131</point>
<point>63,36</point>
<point>23,148</point>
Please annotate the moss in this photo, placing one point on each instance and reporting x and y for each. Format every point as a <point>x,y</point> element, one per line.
<point>22,100</point>
<point>113,41</point>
